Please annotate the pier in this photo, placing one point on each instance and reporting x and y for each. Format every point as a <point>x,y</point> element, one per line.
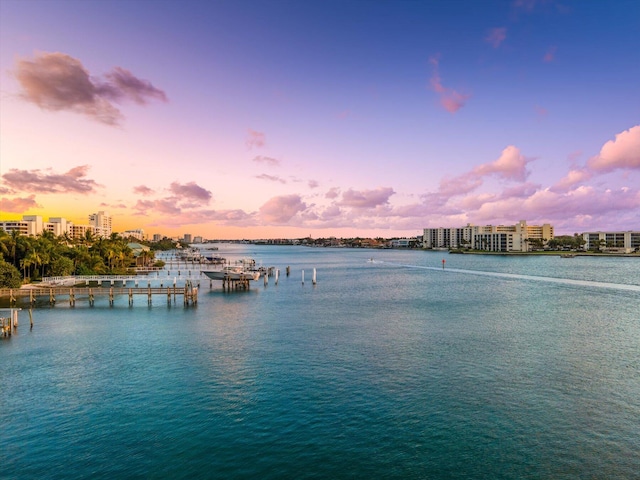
<point>189,293</point>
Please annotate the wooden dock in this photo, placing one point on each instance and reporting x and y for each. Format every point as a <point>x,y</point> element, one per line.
<point>189,293</point>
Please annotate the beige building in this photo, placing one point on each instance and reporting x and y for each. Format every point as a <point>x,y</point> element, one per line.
<point>519,237</point>
<point>101,221</point>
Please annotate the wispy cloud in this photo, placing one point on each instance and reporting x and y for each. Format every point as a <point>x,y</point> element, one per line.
<point>59,82</point>
<point>271,178</point>
<point>450,99</point>
<point>366,198</point>
<point>143,190</point>
<point>255,139</point>
<point>73,181</point>
<point>550,54</point>
<point>18,205</point>
<point>266,160</point>
<point>496,36</point>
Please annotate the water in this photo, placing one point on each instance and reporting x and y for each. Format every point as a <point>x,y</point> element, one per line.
<point>496,367</point>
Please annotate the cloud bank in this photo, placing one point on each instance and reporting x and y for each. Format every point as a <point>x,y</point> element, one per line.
<point>59,82</point>
<point>73,181</point>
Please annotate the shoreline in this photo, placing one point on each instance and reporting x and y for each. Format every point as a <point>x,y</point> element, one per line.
<point>557,254</point>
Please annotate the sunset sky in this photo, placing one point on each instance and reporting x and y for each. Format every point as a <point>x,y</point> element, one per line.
<point>278,118</point>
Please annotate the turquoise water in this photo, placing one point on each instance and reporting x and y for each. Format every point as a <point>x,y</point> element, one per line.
<point>495,367</point>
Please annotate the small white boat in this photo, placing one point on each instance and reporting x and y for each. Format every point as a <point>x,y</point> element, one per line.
<point>232,272</point>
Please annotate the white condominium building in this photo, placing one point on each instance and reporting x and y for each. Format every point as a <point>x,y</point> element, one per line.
<point>494,238</point>
<point>102,223</point>
<point>625,242</point>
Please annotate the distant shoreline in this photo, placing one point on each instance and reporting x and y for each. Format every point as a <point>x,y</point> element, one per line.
<point>554,253</point>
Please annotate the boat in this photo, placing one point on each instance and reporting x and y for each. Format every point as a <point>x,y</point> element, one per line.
<point>567,255</point>
<point>232,272</point>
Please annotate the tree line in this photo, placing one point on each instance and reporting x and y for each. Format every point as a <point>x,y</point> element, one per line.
<point>24,259</point>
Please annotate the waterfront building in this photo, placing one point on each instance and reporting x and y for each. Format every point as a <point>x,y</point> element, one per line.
<point>402,242</point>
<point>187,238</point>
<point>138,234</point>
<point>101,221</point>
<point>21,227</point>
<point>519,237</point>
<point>157,237</point>
<point>197,239</point>
<point>80,231</point>
<point>34,225</point>
<point>622,242</point>
<point>58,226</point>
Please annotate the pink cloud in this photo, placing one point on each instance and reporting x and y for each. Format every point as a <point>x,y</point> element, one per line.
<point>313,184</point>
<point>255,139</point>
<point>496,36</point>
<point>18,205</point>
<point>59,82</point>
<point>541,111</point>
<point>459,185</point>
<point>621,153</point>
<point>271,178</point>
<point>268,160</point>
<point>73,181</point>
<point>332,193</point>
<point>511,165</point>
<point>280,210</point>
<point>550,55</point>
<point>574,177</point>
<point>163,206</point>
<point>450,99</point>
<point>143,190</point>
<point>366,198</point>
<point>190,191</point>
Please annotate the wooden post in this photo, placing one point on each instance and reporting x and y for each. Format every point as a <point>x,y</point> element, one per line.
<point>277,275</point>
<point>111,295</point>
<point>91,299</point>
<point>303,277</point>
<point>288,270</point>
<point>313,279</point>
<point>130,296</point>
<point>30,319</point>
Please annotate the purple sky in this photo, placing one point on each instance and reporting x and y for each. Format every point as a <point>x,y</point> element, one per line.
<point>252,119</point>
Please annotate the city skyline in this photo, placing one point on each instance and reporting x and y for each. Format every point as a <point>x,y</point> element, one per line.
<point>265,119</point>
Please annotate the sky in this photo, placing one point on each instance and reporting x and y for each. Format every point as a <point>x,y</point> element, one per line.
<point>282,119</point>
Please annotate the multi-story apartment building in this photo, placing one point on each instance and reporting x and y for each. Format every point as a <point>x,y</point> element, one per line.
<point>29,225</point>
<point>626,242</point>
<point>138,234</point>
<point>102,223</point>
<point>495,238</point>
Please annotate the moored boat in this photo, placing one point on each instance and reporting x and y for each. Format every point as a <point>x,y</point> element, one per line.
<point>232,272</point>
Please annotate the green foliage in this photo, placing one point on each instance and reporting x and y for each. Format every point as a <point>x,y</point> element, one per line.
<point>61,266</point>
<point>9,276</point>
<point>46,255</point>
<point>162,245</point>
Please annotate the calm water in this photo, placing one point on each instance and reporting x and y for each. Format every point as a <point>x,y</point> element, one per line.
<point>496,367</point>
